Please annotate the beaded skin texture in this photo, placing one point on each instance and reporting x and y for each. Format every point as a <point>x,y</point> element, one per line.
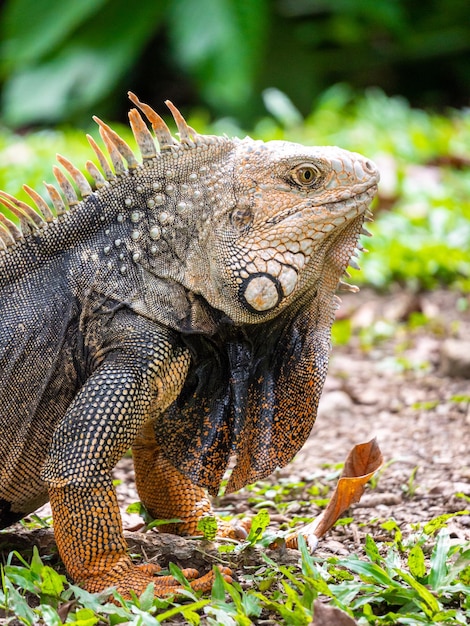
<point>181,306</point>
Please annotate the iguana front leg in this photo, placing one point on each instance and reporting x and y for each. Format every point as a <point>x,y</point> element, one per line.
<point>88,532</point>
<point>140,373</point>
<point>167,493</point>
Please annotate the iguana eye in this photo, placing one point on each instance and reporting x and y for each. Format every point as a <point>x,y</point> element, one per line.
<point>306,175</point>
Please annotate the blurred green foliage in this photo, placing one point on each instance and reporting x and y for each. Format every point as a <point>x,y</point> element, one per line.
<point>422,227</point>
<point>61,59</point>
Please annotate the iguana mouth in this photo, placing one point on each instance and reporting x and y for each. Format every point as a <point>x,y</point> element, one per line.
<point>357,201</point>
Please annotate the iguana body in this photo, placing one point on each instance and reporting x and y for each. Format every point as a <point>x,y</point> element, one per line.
<point>182,309</point>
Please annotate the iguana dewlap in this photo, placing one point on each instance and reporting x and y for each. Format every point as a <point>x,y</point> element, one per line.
<point>183,308</point>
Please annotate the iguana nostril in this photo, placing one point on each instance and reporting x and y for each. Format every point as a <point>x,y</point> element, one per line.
<point>261,292</point>
<point>369,166</point>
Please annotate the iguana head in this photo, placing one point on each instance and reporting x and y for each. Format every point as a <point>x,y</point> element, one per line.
<point>284,229</point>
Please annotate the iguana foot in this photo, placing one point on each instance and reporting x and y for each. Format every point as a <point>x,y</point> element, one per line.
<point>138,577</point>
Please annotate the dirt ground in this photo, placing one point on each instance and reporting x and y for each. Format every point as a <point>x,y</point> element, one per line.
<point>399,382</point>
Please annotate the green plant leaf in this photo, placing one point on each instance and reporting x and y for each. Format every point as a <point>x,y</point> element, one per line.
<point>16,603</point>
<point>370,571</point>
<point>63,84</point>
<point>441,522</point>
<point>424,594</point>
<point>218,588</point>
<point>146,597</point>
<point>372,550</point>
<point>52,583</point>
<point>416,563</point>
<point>220,42</point>
<point>33,28</point>
<point>84,617</point>
<point>439,557</point>
<point>208,527</point>
<point>258,525</point>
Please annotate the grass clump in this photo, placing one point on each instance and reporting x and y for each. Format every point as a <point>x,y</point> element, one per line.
<point>424,579</point>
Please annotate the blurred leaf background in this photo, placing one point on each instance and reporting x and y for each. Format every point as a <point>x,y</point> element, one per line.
<point>389,78</point>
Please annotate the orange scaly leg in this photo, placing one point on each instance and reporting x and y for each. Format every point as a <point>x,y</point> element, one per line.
<point>88,532</point>
<point>166,493</point>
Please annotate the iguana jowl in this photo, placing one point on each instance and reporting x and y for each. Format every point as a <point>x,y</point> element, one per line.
<point>183,309</point>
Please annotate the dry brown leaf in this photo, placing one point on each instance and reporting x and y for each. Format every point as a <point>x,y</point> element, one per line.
<point>326,615</point>
<point>362,462</point>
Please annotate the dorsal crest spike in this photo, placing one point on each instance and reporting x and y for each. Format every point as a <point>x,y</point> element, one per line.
<point>56,198</point>
<point>40,203</point>
<point>103,161</point>
<point>22,210</point>
<point>187,134</point>
<point>121,146</point>
<point>142,135</point>
<point>342,286</point>
<point>94,172</point>
<point>114,154</point>
<point>161,130</point>
<point>66,187</point>
<point>78,178</point>
<point>5,238</point>
<point>11,230</point>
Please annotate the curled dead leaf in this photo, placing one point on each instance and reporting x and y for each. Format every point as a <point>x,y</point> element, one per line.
<point>362,462</point>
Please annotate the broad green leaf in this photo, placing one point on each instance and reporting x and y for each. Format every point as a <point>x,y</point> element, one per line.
<point>371,571</point>
<point>218,588</point>
<point>391,525</point>
<point>423,593</point>
<point>23,577</point>
<point>208,527</point>
<point>281,107</point>
<point>229,547</point>
<point>84,617</point>
<point>52,583</point>
<point>36,563</point>
<point>190,608</point>
<point>146,597</point>
<point>220,42</point>
<point>63,84</point>
<point>32,28</point>
<point>135,507</point>
<point>372,551</point>
<point>251,605</point>
<point>17,604</point>
<point>258,525</point>
<point>460,568</point>
<point>416,563</point>
<point>441,522</point>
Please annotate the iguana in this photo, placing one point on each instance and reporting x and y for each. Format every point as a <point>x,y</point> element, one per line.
<point>182,308</point>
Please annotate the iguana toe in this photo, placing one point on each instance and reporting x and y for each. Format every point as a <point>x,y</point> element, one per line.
<point>138,578</point>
